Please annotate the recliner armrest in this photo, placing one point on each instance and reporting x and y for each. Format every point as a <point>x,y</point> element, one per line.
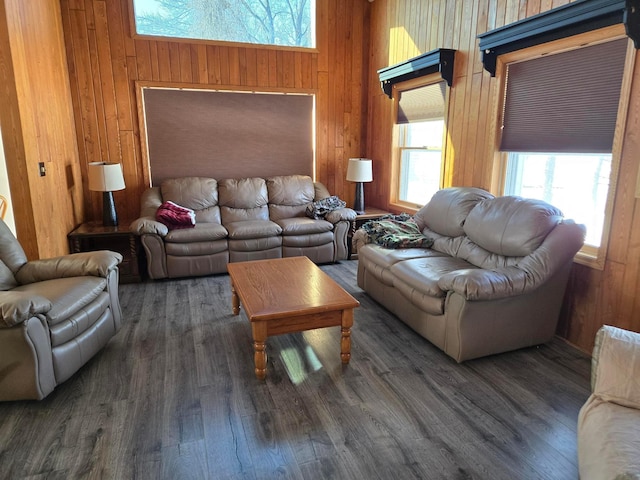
<point>97,264</point>
<point>616,366</point>
<point>17,307</point>
<point>340,214</point>
<point>148,225</point>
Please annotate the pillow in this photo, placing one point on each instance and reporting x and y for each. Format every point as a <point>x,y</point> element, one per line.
<point>318,210</point>
<point>175,216</point>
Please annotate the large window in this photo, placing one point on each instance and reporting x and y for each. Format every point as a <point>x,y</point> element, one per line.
<point>267,22</point>
<point>419,144</point>
<point>559,117</point>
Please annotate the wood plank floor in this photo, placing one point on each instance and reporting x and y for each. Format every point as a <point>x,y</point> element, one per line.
<point>174,396</point>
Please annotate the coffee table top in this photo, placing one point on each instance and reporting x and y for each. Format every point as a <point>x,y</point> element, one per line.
<point>282,287</point>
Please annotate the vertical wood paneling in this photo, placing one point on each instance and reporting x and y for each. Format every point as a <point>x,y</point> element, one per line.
<point>593,297</point>
<point>105,61</point>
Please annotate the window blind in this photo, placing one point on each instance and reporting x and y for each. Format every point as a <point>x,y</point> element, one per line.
<point>422,103</point>
<point>223,134</point>
<point>567,102</point>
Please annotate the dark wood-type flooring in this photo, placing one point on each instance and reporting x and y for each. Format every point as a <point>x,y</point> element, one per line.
<point>174,396</point>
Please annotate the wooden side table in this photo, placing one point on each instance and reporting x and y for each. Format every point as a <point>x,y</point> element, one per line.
<point>93,236</point>
<point>370,213</point>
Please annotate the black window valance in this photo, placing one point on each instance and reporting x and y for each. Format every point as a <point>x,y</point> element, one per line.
<point>439,60</point>
<point>572,19</point>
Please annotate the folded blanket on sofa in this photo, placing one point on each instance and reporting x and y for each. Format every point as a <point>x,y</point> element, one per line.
<point>175,216</point>
<point>318,210</point>
<point>396,231</point>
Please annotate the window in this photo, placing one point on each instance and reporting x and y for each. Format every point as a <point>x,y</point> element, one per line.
<point>418,159</point>
<point>559,116</point>
<point>265,22</point>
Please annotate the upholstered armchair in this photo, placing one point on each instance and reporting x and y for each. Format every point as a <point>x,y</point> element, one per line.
<point>55,314</point>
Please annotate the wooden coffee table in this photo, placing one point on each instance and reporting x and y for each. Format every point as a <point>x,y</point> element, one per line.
<point>286,295</point>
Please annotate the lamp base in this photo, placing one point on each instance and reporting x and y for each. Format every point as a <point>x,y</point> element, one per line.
<point>358,205</point>
<point>109,215</point>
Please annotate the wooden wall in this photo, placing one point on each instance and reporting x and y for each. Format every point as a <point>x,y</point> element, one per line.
<point>105,61</point>
<point>401,29</point>
<point>37,126</point>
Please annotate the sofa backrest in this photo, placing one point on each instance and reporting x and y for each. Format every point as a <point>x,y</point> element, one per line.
<point>243,199</point>
<point>289,196</point>
<point>197,193</point>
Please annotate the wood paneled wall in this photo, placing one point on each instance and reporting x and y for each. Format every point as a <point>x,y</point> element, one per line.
<point>401,29</point>
<point>37,126</point>
<point>105,61</point>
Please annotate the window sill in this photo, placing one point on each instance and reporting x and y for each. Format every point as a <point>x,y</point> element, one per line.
<point>590,257</point>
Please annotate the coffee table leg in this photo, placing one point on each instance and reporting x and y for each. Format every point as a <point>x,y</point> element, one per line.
<point>235,301</point>
<point>259,330</point>
<point>345,341</point>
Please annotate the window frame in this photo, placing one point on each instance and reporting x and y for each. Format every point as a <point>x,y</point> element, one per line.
<point>588,255</point>
<point>141,36</point>
<point>396,155</point>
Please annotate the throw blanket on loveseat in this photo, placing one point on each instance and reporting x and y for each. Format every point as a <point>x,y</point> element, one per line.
<point>396,231</point>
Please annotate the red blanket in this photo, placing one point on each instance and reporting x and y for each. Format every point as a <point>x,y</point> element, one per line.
<point>175,216</point>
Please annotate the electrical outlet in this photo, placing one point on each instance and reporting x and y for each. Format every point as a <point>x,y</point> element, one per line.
<point>42,169</point>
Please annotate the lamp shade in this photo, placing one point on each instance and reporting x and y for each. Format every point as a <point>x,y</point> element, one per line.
<point>105,177</point>
<point>359,170</point>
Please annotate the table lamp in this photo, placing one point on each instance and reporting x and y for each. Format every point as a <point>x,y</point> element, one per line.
<point>107,178</point>
<point>359,170</point>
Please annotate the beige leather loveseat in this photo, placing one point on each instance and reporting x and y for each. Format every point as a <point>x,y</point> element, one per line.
<point>239,220</point>
<point>55,314</point>
<point>609,421</point>
<point>493,280</point>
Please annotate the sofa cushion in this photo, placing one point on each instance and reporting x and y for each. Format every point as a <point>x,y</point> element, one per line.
<point>201,232</point>
<point>448,208</point>
<point>511,226</point>
<point>196,249</point>
<point>195,193</point>
<point>385,257</point>
<point>290,190</point>
<point>243,193</point>
<point>253,229</point>
<point>423,274</point>
<point>303,226</point>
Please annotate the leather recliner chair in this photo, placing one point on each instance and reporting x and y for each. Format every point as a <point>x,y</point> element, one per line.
<point>55,314</point>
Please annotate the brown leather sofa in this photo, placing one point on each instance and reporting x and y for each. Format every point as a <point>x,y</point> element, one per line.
<point>493,280</point>
<point>55,314</point>
<point>239,220</point>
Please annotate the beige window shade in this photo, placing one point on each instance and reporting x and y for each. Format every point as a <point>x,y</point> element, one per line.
<point>566,102</point>
<point>223,134</point>
<point>422,103</point>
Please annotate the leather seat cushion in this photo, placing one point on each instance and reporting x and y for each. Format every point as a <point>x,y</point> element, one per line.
<point>385,257</point>
<point>67,295</point>
<point>303,226</point>
<point>311,240</point>
<point>196,248</point>
<point>253,229</point>
<point>423,274</point>
<point>79,322</point>
<point>202,232</point>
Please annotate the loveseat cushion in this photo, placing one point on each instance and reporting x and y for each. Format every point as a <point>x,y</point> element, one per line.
<point>511,226</point>
<point>253,229</point>
<point>447,210</point>
<point>423,274</point>
<point>201,232</point>
<point>303,226</point>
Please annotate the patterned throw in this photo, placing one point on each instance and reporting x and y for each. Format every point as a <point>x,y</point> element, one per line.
<point>175,216</point>
<point>396,231</point>
<point>318,210</point>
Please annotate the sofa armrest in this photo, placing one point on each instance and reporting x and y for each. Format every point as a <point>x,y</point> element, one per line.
<point>480,284</point>
<point>340,214</point>
<point>97,264</point>
<point>17,307</point>
<point>615,374</point>
<point>148,225</point>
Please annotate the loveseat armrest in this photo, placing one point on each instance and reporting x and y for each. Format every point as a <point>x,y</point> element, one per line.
<point>98,264</point>
<point>480,284</point>
<point>341,214</point>
<point>17,307</point>
<point>148,225</point>
<point>615,369</point>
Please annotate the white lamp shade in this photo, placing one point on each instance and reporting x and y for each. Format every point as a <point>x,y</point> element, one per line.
<point>105,177</point>
<point>359,170</point>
